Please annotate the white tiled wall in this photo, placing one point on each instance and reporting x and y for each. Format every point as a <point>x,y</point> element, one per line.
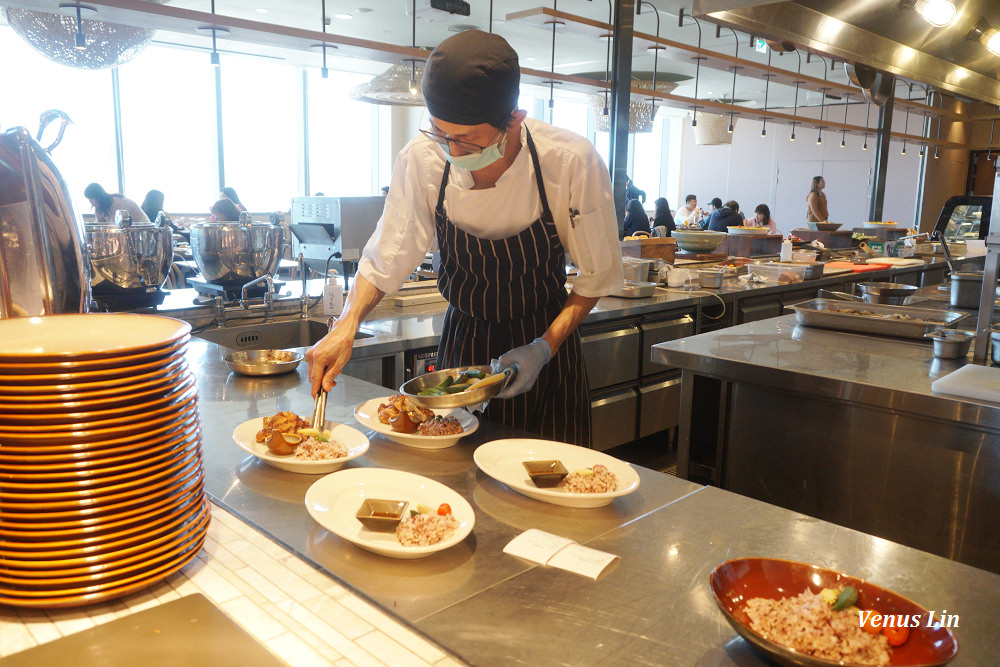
<point>303,616</point>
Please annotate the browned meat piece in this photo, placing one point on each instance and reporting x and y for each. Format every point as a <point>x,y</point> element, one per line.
<point>283,422</point>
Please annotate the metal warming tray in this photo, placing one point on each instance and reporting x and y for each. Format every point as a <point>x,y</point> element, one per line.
<point>822,313</point>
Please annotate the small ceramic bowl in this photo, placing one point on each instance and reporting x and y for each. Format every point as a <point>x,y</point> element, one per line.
<point>381,515</point>
<point>545,473</point>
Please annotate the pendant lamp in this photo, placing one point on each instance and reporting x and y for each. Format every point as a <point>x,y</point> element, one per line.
<point>400,84</point>
<point>69,39</point>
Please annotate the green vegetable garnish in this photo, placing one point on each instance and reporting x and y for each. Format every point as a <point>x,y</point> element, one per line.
<point>847,597</point>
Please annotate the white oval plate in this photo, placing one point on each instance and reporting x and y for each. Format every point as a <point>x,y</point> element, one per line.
<point>756,231</point>
<point>502,460</point>
<point>245,435</point>
<point>367,416</point>
<point>334,500</point>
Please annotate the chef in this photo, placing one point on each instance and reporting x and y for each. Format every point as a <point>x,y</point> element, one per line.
<point>503,199</point>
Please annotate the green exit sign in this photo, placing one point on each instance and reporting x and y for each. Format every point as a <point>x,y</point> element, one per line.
<point>759,45</point>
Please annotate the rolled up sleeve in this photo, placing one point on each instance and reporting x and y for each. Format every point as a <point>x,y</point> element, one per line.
<point>405,232</point>
<point>593,234</point>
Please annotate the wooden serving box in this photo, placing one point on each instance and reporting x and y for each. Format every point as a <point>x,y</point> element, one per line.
<point>651,248</point>
<point>750,245</point>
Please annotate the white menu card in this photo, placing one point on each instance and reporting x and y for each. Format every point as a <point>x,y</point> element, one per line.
<point>544,548</point>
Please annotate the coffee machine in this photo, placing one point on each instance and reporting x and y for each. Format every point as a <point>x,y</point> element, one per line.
<point>332,231</point>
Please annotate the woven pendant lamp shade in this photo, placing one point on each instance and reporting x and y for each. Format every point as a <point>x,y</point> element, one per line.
<point>713,129</point>
<point>393,87</point>
<point>52,35</point>
<point>640,110</point>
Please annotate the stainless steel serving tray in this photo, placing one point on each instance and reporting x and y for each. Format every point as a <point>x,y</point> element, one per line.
<point>636,289</point>
<point>822,313</point>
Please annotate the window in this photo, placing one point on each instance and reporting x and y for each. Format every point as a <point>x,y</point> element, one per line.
<point>34,84</point>
<point>342,137</point>
<point>168,128</point>
<point>573,116</point>
<point>648,166</point>
<point>262,121</point>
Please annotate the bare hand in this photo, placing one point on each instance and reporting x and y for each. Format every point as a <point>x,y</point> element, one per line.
<point>329,356</point>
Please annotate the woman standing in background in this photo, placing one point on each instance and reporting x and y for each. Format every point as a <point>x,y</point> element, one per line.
<point>816,210</point>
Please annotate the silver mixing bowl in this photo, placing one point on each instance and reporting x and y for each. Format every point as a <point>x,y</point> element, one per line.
<point>128,257</point>
<point>234,253</point>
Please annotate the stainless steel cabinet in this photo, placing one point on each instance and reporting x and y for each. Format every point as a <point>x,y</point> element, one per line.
<point>611,354</point>
<point>613,416</point>
<point>659,406</point>
<point>660,332</point>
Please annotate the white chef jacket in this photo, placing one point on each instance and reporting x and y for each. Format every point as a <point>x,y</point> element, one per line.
<point>575,178</point>
<point>123,203</point>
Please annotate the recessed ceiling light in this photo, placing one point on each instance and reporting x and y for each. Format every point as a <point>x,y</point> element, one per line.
<point>343,16</point>
<point>261,10</point>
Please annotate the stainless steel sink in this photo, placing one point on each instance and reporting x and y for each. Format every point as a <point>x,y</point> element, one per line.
<point>270,335</point>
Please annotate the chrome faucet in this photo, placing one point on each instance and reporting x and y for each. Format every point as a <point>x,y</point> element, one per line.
<point>268,295</point>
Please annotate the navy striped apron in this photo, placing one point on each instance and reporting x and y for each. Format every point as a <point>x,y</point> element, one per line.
<point>503,294</point>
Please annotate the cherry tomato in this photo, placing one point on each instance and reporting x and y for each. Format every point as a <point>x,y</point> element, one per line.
<point>896,636</point>
<point>444,509</point>
<point>872,629</point>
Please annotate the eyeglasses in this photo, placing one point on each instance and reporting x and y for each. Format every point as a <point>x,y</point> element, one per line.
<point>466,146</point>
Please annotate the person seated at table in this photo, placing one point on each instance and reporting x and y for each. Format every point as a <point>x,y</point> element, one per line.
<point>662,218</point>
<point>725,217</point>
<point>762,218</point>
<point>224,210</point>
<point>230,194</point>
<point>689,214</point>
<point>105,205</point>
<point>636,219</point>
<point>713,206</point>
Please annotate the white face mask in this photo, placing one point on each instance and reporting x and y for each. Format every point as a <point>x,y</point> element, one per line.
<point>480,160</point>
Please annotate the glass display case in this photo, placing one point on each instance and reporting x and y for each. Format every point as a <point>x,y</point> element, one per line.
<point>964,218</point>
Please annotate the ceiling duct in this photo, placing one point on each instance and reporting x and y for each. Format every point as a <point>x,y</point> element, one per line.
<point>882,34</point>
<point>877,86</point>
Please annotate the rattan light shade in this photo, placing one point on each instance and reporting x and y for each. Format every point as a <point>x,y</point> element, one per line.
<point>52,35</point>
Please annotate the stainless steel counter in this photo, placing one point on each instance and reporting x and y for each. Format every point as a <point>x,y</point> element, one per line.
<point>397,329</point>
<point>653,607</point>
<point>274,500</point>
<point>843,427</point>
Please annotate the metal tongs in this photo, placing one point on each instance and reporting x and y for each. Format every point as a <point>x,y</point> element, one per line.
<point>947,251</point>
<point>319,412</point>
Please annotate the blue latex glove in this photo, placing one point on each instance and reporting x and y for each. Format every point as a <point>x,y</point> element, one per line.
<point>528,361</point>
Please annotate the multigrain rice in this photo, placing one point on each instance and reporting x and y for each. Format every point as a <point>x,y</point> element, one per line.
<point>425,529</point>
<point>601,480</point>
<point>809,625</point>
<point>311,449</point>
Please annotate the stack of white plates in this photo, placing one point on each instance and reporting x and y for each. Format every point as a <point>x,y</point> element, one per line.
<point>101,475</point>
